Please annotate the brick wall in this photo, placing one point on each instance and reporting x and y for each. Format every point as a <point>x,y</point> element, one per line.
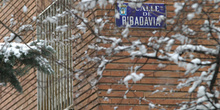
<point>10,99</point>
<point>167,77</point>
<point>86,96</point>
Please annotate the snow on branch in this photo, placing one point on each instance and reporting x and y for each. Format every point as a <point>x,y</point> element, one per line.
<point>133,76</point>
<point>196,48</point>
<point>24,57</point>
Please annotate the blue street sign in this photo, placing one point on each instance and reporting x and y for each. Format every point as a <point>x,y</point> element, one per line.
<point>149,15</point>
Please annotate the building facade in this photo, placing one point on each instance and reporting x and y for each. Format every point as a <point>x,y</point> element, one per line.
<point>65,90</point>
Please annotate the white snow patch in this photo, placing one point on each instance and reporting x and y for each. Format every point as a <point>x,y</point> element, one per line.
<point>156,91</point>
<point>109,90</point>
<point>160,18</point>
<point>195,5</point>
<point>25,9</point>
<point>106,99</point>
<point>77,95</point>
<point>161,65</point>
<point>125,32</point>
<point>133,76</point>
<point>190,16</point>
<point>111,1</point>
<point>151,105</point>
<point>26,27</point>
<point>201,91</point>
<point>34,18</point>
<point>178,6</point>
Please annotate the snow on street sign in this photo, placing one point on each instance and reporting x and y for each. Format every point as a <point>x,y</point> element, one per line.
<point>149,15</point>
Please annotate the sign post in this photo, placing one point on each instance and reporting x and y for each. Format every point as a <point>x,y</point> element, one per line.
<point>149,15</point>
